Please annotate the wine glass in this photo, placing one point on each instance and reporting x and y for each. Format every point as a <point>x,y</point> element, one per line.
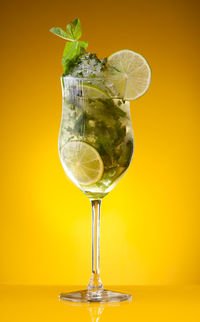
<point>95,148</point>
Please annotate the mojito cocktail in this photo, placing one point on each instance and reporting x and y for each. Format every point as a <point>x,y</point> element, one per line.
<point>96,138</point>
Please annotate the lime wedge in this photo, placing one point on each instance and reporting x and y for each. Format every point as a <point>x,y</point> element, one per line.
<point>82,162</point>
<point>130,73</point>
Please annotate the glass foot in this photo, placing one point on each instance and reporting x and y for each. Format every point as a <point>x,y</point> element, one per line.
<point>104,296</point>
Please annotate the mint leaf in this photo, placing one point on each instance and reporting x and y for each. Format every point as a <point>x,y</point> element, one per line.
<point>69,47</point>
<point>75,47</point>
<point>77,28</point>
<point>83,44</point>
<point>71,50</point>
<point>60,33</point>
<point>69,32</point>
<point>74,29</point>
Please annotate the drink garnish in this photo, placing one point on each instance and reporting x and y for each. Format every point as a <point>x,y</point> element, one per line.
<point>74,47</point>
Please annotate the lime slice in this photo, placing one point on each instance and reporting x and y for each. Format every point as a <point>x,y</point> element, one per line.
<point>92,91</point>
<point>82,162</point>
<point>130,73</point>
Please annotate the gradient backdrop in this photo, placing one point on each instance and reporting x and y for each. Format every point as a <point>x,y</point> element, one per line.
<point>150,221</point>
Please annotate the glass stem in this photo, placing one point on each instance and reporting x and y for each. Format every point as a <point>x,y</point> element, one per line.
<point>95,285</point>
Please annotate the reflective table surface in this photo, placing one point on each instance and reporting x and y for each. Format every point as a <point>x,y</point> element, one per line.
<point>149,303</point>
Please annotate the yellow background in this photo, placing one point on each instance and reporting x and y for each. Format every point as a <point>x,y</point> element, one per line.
<point>150,221</point>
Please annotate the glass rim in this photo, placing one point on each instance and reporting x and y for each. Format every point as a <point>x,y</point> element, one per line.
<point>92,78</point>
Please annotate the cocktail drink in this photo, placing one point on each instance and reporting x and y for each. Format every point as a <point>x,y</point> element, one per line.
<point>96,138</point>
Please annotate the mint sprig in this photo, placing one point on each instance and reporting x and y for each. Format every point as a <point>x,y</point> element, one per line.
<point>75,47</point>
